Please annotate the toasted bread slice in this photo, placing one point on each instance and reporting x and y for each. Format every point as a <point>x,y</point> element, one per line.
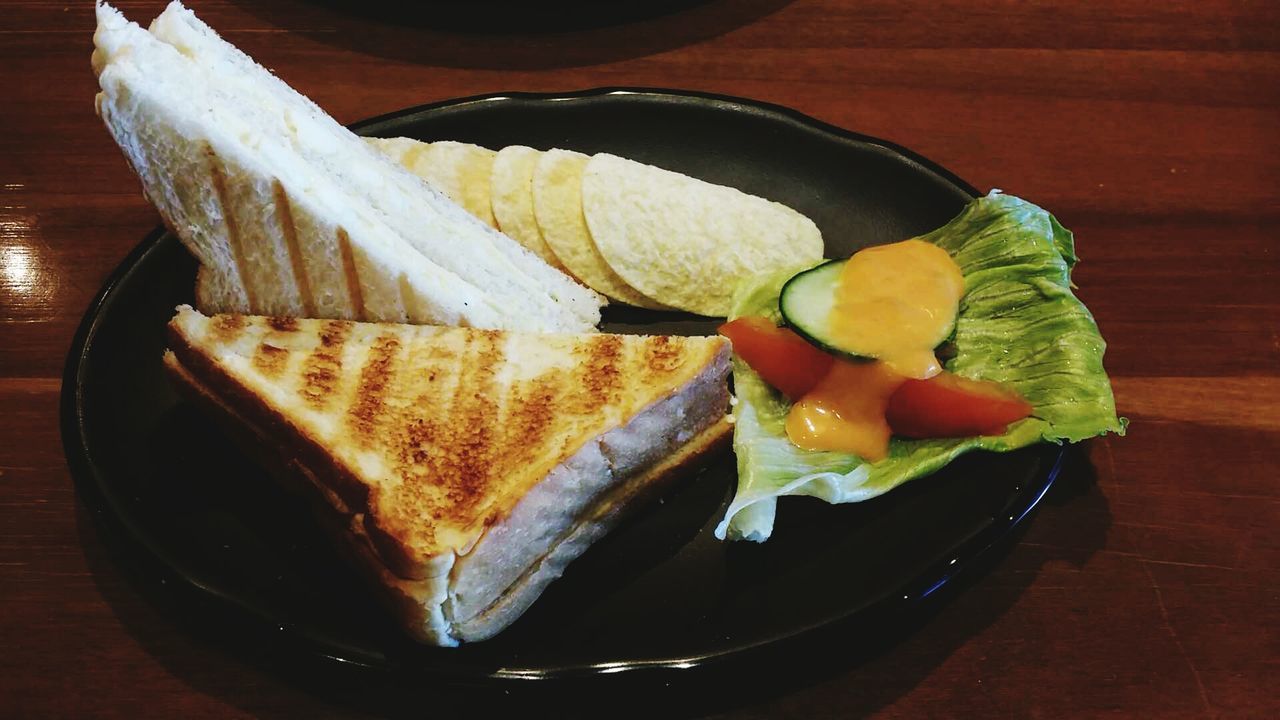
<point>418,605</point>
<point>470,465</point>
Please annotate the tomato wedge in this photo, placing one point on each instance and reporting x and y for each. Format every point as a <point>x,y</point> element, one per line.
<point>946,405</point>
<point>949,405</point>
<point>784,359</point>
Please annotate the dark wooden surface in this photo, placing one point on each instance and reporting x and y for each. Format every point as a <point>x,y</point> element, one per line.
<point>1148,586</point>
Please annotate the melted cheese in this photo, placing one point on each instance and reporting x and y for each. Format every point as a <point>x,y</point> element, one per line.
<point>896,302</point>
<point>893,302</point>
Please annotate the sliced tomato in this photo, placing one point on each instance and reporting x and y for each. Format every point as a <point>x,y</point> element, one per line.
<point>784,359</point>
<point>948,405</point>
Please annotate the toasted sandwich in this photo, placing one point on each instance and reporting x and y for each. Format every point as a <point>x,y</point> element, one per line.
<point>461,469</point>
<point>288,212</point>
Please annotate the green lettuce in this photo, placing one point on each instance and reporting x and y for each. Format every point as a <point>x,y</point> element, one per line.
<point>1018,324</point>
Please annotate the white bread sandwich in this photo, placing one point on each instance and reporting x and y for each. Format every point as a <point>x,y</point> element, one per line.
<point>291,214</point>
<point>461,469</point>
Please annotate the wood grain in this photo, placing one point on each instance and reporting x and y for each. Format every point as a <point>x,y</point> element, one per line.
<point>1146,587</point>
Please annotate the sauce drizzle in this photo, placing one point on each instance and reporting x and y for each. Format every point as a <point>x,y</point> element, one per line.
<point>896,303</point>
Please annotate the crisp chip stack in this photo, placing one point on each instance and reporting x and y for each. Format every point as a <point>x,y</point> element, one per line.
<point>638,234</point>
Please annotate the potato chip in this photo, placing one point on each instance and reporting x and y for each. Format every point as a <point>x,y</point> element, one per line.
<point>686,242</point>
<point>557,205</point>
<point>511,194</point>
<point>402,149</point>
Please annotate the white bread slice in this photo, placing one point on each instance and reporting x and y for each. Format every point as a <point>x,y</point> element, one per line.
<point>186,147</point>
<point>469,465</point>
<point>438,228</point>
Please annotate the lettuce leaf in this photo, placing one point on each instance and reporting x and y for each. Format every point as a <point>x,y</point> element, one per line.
<point>1019,324</point>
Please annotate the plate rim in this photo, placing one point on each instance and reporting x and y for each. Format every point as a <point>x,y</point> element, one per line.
<point>90,480</point>
<point>679,96</point>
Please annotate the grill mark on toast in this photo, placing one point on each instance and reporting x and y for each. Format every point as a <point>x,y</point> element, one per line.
<point>533,415</point>
<point>234,241</point>
<point>290,232</point>
<point>601,378</point>
<point>420,435</point>
<point>335,333</point>
<point>663,355</point>
<point>283,324</point>
<point>270,360</point>
<point>469,457</point>
<point>322,368</point>
<point>375,377</point>
<point>225,328</point>
<point>415,449</point>
<point>447,466</point>
<point>354,291</point>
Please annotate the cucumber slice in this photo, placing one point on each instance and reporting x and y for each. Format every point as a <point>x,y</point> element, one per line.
<point>806,303</point>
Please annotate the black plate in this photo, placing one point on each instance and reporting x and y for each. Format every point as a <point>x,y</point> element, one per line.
<point>660,594</point>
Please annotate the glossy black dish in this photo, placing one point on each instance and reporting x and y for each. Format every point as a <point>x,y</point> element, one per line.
<point>660,594</point>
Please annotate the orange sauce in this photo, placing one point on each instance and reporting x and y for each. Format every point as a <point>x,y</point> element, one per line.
<point>894,301</point>
<point>845,410</point>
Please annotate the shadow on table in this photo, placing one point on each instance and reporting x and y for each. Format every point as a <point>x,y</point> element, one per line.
<point>210,650</point>
<point>510,34</point>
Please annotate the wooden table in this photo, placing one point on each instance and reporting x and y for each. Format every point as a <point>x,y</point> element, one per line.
<point>1148,586</point>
